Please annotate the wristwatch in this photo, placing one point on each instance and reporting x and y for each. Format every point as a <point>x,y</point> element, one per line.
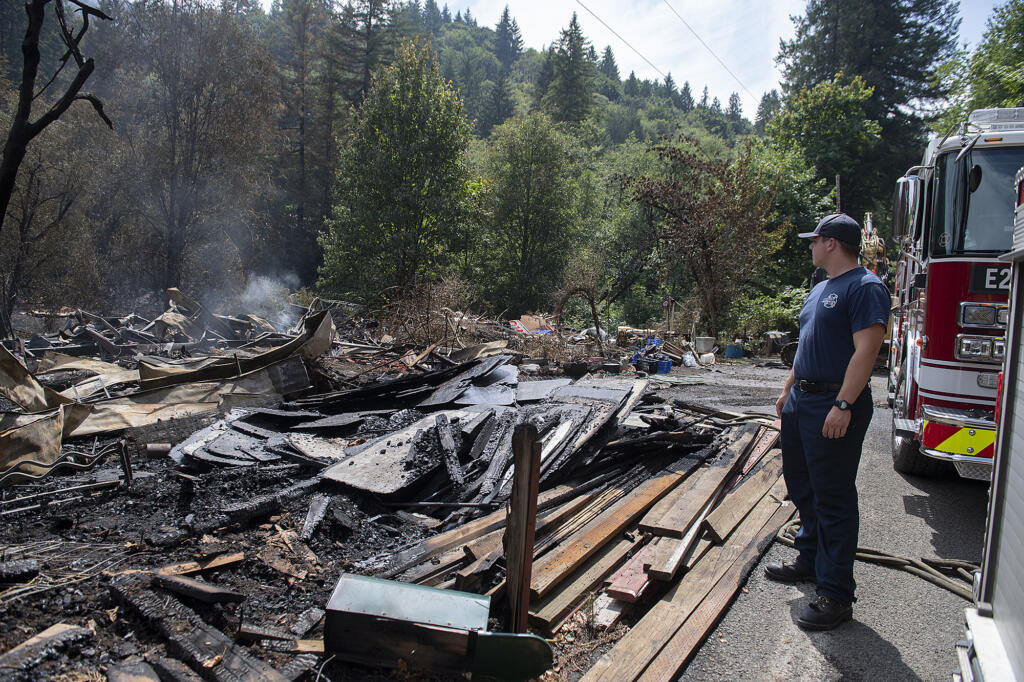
<point>842,405</point>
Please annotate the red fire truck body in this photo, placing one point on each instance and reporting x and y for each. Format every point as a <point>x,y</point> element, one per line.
<point>952,219</point>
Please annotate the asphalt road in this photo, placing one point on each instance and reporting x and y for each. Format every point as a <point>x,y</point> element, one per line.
<point>903,627</point>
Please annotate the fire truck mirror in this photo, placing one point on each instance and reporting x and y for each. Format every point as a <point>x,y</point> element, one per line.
<point>975,178</point>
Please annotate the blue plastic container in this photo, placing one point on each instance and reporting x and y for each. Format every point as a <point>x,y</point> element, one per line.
<point>734,350</point>
<point>664,366</point>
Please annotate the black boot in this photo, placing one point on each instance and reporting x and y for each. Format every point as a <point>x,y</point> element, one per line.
<point>790,572</point>
<point>824,613</point>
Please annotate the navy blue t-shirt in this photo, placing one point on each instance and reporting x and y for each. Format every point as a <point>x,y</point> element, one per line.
<point>833,311</point>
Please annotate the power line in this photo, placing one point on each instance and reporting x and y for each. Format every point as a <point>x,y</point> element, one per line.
<point>709,49</point>
<point>622,39</point>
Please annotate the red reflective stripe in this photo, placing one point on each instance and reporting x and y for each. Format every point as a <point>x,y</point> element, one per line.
<point>936,434</point>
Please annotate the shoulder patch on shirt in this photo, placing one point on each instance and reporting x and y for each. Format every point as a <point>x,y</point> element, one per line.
<point>830,301</point>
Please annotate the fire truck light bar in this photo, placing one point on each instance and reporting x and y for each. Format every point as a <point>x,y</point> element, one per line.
<point>998,119</point>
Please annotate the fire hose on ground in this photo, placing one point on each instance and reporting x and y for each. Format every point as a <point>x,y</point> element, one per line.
<point>932,570</point>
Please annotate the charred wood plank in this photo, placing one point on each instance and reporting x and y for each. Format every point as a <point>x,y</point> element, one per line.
<point>172,670</point>
<point>207,593</point>
<point>251,632</point>
<point>448,450</point>
<point>44,645</point>
<point>203,647</point>
<point>307,620</point>
<point>317,511</point>
<point>139,671</point>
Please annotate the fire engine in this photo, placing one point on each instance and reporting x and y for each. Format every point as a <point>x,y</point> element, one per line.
<point>952,219</point>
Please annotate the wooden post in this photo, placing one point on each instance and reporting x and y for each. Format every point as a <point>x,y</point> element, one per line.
<point>522,523</point>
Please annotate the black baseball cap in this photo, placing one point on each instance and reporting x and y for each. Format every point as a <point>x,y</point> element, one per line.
<point>839,226</point>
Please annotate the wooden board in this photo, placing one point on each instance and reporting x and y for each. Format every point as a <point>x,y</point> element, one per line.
<point>548,614</point>
<point>404,560</point>
<point>678,650</point>
<point>669,564</point>
<point>739,501</point>
<point>706,485</point>
<point>521,527</point>
<point>632,654</point>
<point>631,580</point>
<point>558,564</point>
<point>190,567</point>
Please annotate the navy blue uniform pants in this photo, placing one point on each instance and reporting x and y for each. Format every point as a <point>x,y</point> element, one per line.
<point>821,475</point>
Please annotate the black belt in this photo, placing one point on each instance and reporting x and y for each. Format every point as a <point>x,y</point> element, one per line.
<point>817,387</point>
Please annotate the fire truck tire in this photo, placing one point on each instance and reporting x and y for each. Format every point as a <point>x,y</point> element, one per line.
<point>908,459</point>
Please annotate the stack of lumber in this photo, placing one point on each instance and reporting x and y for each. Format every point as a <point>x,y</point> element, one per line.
<point>672,544</point>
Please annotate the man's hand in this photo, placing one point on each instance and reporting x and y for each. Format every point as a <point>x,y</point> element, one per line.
<point>836,423</point>
<point>781,402</point>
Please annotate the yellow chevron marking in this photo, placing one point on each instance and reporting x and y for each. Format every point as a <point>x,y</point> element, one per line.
<point>963,443</point>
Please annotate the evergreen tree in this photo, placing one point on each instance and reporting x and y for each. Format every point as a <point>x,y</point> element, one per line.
<point>570,95</point>
<point>895,47</point>
<point>508,42</point>
<point>369,41</point>
<point>297,27</point>
<point>686,97</point>
<point>468,19</point>
<point>716,106</point>
<point>703,104</point>
<point>499,106</point>
<point>771,104</point>
<point>608,66</point>
<point>446,15</point>
<point>670,87</point>
<point>545,76</point>
<point>735,109</point>
<point>400,204</point>
<point>432,19</point>
<point>458,18</point>
<point>632,86</point>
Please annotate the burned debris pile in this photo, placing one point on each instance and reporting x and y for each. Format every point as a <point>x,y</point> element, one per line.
<point>207,496</point>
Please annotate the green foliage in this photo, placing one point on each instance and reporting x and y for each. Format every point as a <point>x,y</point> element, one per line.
<point>894,46</point>
<point>830,124</point>
<point>714,212</point>
<point>755,314</point>
<point>402,181</point>
<point>801,198</point>
<point>991,76</point>
<point>570,95</point>
<point>531,173</point>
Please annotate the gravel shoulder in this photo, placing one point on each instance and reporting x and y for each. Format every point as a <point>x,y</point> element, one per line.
<point>904,628</point>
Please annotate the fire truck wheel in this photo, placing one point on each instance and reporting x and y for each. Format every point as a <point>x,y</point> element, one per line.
<point>907,458</point>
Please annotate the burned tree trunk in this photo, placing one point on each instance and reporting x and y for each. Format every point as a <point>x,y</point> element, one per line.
<point>23,130</point>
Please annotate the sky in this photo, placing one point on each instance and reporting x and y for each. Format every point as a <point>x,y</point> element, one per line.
<point>743,34</point>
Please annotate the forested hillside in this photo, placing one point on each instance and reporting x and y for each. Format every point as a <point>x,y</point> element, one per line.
<point>365,149</point>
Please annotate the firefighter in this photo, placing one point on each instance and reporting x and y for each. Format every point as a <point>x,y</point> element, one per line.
<point>825,409</point>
